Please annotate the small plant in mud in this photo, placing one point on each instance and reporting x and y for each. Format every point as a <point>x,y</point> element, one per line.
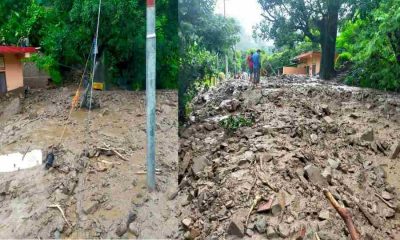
<point>233,123</point>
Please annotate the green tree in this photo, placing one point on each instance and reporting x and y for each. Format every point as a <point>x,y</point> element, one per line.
<point>288,22</point>
<point>205,37</point>
<point>65,29</point>
<point>371,42</point>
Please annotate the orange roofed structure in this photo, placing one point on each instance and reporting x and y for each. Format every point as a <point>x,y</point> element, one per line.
<point>308,63</point>
<point>11,67</point>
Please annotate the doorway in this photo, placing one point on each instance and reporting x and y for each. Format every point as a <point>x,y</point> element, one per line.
<point>3,83</point>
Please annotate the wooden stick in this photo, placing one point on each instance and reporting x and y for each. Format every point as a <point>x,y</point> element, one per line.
<point>384,201</point>
<point>257,199</point>
<point>62,212</point>
<point>345,214</point>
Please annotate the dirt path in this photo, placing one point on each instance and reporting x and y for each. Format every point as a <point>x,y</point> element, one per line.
<point>305,136</point>
<point>103,196</point>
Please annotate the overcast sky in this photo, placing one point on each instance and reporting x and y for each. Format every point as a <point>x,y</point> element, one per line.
<point>247,12</point>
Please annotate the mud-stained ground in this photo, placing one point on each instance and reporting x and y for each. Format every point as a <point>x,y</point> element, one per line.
<point>102,194</point>
<point>302,136</point>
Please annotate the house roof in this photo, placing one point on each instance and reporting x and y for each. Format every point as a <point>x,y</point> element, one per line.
<point>16,50</point>
<point>307,54</point>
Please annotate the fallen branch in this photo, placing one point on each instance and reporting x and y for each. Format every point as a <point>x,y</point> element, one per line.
<point>345,214</point>
<point>62,212</point>
<point>256,200</point>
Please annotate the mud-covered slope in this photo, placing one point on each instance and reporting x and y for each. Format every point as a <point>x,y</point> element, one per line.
<point>102,195</point>
<point>306,136</point>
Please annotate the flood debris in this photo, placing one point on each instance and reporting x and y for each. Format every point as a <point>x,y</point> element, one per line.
<point>305,135</point>
<point>90,190</point>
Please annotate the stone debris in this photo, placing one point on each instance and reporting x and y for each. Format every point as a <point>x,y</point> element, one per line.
<point>396,151</point>
<point>306,135</point>
<point>368,135</point>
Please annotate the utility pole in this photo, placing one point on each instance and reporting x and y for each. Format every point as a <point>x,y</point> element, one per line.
<point>226,55</point>
<point>151,94</point>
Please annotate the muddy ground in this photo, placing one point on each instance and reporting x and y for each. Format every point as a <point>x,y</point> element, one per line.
<point>304,136</point>
<point>102,195</point>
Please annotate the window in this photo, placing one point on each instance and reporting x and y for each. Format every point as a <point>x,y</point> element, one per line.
<point>2,63</point>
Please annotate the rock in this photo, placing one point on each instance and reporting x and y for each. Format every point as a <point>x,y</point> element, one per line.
<point>89,207</point>
<point>284,230</point>
<point>5,188</point>
<point>325,109</point>
<point>368,135</point>
<point>396,151</point>
<point>185,163</point>
<point>327,235</point>
<point>314,138</point>
<point>333,163</point>
<point>313,174</point>
<point>187,222</point>
<point>276,209</point>
<point>388,213</point>
<point>194,233</point>
<point>327,174</point>
<point>236,226</point>
<point>230,105</point>
<point>387,196</point>
<point>328,120</point>
<point>271,233</point>
<point>199,164</point>
<point>134,229</point>
<point>265,206</point>
<point>187,235</point>
<point>261,225</point>
<point>324,215</point>
<point>121,229</point>
<point>249,232</point>
<point>131,217</point>
<point>249,156</point>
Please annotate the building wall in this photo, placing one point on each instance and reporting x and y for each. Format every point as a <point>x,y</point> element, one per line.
<point>14,73</point>
<point>294,70</point>
<point>314,59</point>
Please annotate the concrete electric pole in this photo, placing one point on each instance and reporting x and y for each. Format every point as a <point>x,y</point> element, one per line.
<point>151,94</point>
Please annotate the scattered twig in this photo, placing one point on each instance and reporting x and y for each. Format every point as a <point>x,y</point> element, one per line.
<point>256,200</point>
<point>26,152</point>
<point>384,201</point>
<point>62,213</point>
<point>251,188</point>
<point>145,172</point>
<point>108,148</point>
<point>345,214</point>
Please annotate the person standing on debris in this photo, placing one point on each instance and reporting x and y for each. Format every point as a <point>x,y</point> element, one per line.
<point>251,65</point>
<point>257,66</point>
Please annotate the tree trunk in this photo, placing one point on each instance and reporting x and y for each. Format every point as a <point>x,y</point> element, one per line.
<point>328,40</point>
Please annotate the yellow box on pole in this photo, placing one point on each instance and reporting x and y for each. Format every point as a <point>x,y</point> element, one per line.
<point>98,86</point>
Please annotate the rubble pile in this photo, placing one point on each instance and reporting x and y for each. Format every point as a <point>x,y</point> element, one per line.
<point>266,181</point>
